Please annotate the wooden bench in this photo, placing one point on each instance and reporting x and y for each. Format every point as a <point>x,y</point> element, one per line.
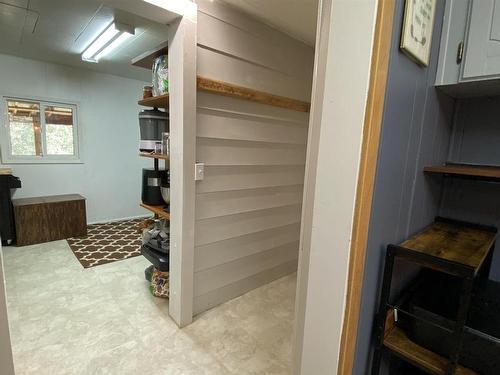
<point>44,219</point>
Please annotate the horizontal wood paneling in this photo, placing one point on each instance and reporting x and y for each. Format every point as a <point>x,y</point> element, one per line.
<point>225,227</point>
<point>216,124</point>
<point>227,105</point>
<point>248,206</point>
<point>228,273</point>
<point>224,152</point>
<point>211,255</point>
<point>269,80</point>
<point>233,202</point>
<point>246,45</point>
<point>227,292</point>
<point>225,178</point>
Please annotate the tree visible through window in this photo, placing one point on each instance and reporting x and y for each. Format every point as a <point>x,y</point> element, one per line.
<point>59,130</point>
<point>40,131</point>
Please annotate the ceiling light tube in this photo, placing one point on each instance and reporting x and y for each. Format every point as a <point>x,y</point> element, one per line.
<point>114,35</point>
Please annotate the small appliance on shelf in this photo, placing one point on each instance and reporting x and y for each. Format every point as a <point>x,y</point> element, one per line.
<point>152,183</point>
<point>153,123</point>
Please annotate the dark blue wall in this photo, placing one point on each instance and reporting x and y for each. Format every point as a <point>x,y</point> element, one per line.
<point>476,139</point>
<point>416,130</point>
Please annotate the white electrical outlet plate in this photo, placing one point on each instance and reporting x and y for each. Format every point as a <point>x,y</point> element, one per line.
<point>199,171</point>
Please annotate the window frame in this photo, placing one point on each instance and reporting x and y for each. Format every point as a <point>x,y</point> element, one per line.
<point>5,142</point>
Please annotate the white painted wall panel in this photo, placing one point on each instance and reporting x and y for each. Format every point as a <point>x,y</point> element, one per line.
<point>213,254</point>
<point>246,74</point>
<point>230,291</point>
<point>217,124</point>
<point>225,227</point>
<point>225,104</point>
<point>239,201</point>
<point>253,48</point>
<point>228,273</point>
<point>248,206</point>
<point>6,360</point>
<point>226,178</point>
<point>224,152</point>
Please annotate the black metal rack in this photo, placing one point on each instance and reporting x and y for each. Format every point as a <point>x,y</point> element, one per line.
<point>7,225</point>
<point>454,247</point>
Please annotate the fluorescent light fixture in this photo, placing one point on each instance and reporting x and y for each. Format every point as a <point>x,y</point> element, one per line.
<point>112,36</point>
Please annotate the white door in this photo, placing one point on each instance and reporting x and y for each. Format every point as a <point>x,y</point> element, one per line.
<point>482,56</point>
<point>6,362</point>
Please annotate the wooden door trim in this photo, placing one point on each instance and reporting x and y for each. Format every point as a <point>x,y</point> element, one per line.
<point>366,180</point>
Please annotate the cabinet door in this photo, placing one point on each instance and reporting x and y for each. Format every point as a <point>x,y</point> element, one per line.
<point>482,57</point>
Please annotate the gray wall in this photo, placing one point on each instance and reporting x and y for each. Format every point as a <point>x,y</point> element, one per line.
<point>415,132</point>
<point>109,132</point>
<point>476,136</point>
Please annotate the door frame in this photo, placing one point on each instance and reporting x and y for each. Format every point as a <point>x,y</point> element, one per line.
<point>6,360</point>
<point>366,180</point>
<point>378,61</point>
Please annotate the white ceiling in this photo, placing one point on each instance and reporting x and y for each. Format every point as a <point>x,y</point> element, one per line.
<point>59,30</point>
<point>294,17</point>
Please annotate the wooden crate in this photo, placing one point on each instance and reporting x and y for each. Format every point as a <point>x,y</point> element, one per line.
<point>44,219</point>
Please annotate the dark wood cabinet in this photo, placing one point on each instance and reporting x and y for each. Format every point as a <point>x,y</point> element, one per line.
<point>51,218</point>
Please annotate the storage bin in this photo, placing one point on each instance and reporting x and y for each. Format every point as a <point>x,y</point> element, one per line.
<point>436,300</point>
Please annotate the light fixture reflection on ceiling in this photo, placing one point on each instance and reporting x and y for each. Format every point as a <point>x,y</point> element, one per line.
<point>114,35</point>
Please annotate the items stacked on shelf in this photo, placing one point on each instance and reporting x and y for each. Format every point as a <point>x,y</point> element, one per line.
<point>156,102</point>
<point>158,255</point>
<point>448,246</point>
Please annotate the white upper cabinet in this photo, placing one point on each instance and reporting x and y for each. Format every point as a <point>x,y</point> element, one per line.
<point>482,58</point>
<point>469,56</point>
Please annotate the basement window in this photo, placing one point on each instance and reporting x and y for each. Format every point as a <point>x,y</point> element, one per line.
<point>37,131</point>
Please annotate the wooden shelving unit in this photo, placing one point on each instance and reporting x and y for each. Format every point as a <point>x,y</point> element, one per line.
<point>466,170</point>
<point>462,244</point>
<point>398,342</point>
<point>160,101</point>
<point>450,246</point>
<point>157,210</point>
<point>154,156</point>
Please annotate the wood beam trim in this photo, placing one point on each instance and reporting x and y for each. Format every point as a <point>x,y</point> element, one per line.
<point>228,89</point>
<point>366,180</point>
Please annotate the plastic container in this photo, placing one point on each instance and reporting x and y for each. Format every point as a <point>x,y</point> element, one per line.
<point>160,75</point>
<point>437,300</point>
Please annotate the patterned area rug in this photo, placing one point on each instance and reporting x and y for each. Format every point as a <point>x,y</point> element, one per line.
<point>107,242</point>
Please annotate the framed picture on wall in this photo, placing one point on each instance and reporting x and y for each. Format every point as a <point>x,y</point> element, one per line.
<point>418,23</point>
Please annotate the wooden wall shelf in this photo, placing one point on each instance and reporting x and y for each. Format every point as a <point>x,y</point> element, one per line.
<point>228,89</point>
<point>466,171</point>
<point>154,156</point>
<point>240,92</point>
<point>157,210</point>
<point>398,342</point>
<point>145,60</point>
<point>160,101</point>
